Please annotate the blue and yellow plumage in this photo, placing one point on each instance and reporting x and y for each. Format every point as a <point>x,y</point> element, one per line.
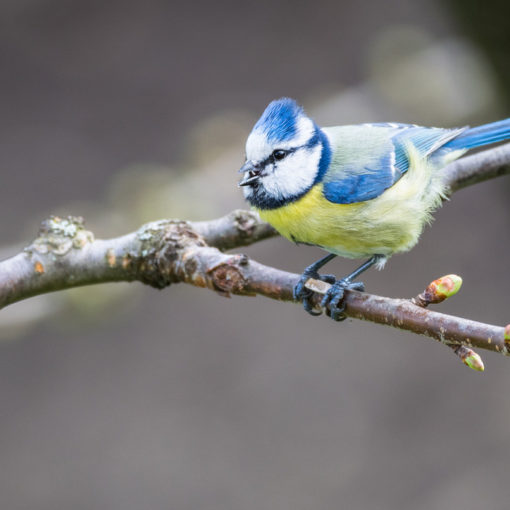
<point>355,191</point>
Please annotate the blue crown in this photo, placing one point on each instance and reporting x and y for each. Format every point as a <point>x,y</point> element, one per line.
<point>279,120</point>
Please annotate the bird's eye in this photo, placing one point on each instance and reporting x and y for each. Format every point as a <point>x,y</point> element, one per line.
<point>279,154</point>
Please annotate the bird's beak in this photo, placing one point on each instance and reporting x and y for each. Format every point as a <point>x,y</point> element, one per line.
<point>251,171</point>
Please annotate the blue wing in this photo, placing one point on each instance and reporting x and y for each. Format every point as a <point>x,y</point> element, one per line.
<point>370,158</point>
<point>358,184</point>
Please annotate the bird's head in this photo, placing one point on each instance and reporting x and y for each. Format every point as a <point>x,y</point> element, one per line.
<point>286,154</point>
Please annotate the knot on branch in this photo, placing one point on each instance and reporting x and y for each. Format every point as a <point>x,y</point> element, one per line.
<point>227,277</point>
<point>60,235</point>
<point>165,252</point>
<point>246,222</point>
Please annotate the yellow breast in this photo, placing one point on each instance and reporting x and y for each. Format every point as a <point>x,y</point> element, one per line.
<point>385,225</point>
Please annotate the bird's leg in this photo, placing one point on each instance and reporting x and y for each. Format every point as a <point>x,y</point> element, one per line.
<point>301,293</point>
<point>333,299</point>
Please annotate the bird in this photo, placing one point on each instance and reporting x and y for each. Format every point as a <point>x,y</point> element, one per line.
<point>356,191</point>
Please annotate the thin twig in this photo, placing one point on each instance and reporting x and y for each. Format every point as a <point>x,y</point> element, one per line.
<point>477,168</point>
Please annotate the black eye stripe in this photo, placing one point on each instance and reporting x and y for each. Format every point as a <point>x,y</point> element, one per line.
<point>271,159</point>
<point>312,143</point>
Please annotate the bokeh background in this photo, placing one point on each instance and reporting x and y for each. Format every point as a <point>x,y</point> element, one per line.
<point>122,397</point>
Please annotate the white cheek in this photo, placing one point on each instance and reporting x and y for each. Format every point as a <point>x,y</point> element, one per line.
<point>293,175</point>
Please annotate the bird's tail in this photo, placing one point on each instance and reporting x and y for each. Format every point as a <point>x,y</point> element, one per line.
<point>481,135</point>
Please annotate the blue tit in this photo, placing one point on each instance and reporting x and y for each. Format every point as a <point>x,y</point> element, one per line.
<point>356,191</point>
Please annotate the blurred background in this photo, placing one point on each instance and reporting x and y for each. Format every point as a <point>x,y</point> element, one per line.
<point>122,397</point>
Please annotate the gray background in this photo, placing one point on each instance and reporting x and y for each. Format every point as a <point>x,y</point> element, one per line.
<point>122,397</point>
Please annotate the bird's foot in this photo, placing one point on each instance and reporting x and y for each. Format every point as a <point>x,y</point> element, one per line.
<point>301,293</point>
<point>333,300</point>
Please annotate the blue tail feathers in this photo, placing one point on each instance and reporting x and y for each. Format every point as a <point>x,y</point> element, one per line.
<point>481,135</point>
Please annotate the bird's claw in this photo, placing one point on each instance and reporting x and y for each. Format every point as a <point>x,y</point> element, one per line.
<point>301,293</point>
<point>333,300</point>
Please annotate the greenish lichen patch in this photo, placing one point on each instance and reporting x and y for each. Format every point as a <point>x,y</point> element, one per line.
<point>82,238</point>
<point>59,235</point>
<point>148,231</point>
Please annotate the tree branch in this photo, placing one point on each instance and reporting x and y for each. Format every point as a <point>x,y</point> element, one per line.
<point>160,253</point>
<point>478,167</point>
